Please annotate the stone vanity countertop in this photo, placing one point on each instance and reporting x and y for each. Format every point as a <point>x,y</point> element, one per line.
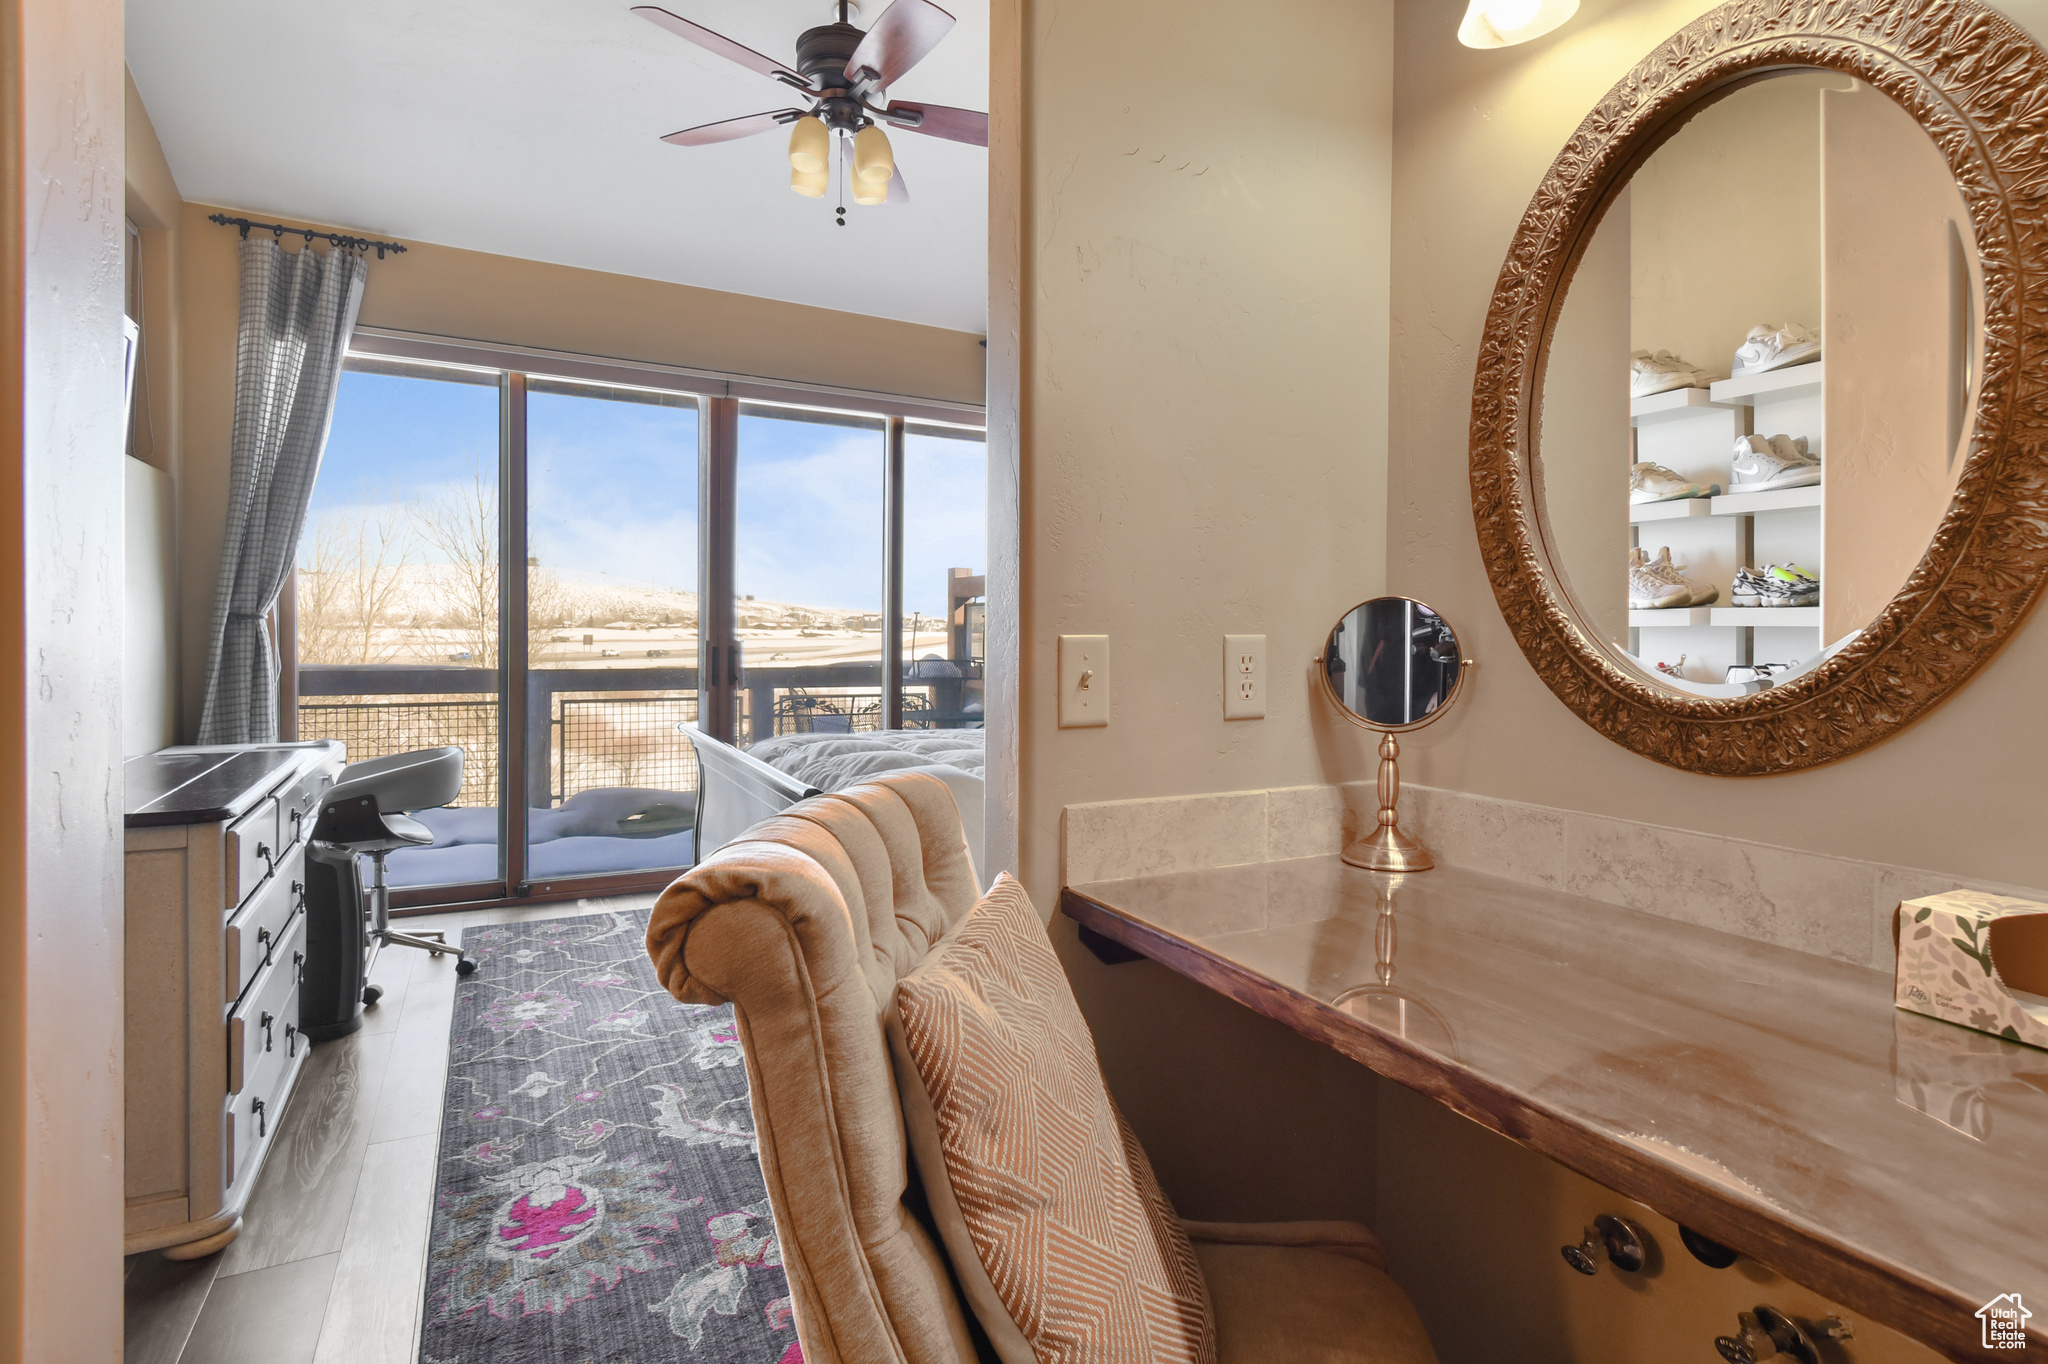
<point>1773,1100</point>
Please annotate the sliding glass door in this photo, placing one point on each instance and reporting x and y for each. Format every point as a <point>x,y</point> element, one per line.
<point>563,573</point>
<point>611,629</point>
<point>807,572</point>
<point>396,598</point>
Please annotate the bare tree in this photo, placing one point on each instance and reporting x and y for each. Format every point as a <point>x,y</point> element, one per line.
<point>461,526</point>
<point>351,578</point>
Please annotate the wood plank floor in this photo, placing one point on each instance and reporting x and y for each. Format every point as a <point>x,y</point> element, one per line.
<point>330,1264</point>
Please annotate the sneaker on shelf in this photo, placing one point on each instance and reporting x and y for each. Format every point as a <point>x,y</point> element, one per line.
<point>1703,594</point>
<point>1648,592</point>
<point>1661,373</point>
<point>1770,347</point>
<point>1793,447</point>
<point>1775,585</point>
<point>1655,483</point>
<point>1759,466</point>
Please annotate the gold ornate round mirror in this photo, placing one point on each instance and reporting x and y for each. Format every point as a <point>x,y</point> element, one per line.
<point>1800,227</point>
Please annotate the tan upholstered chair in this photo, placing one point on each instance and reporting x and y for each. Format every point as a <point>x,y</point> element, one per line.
<point>805,924</point>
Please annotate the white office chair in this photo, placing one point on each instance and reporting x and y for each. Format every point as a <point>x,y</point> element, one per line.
<point>369,812</point>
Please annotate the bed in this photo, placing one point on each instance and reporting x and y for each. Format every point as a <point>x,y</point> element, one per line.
<point>739,787</point>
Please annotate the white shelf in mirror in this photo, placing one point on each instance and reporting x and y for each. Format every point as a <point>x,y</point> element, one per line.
<point>1764,617</point>
<point>1670,618</point>
<point>1679,402</point>
<point>1777,499</point>
<point>1793,381</point>
<point>1681,509</point>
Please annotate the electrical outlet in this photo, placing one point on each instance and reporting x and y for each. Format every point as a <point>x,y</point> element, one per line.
<point>1244,677</point>
<point>1084,681</point>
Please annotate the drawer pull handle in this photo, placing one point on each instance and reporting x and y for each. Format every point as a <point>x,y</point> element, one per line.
<point>264,1023</point>
<point>299,965</point>
<point>263,935</point>
<point>291,1039</point>
<point>298,895</point>
<point>262,1123</point>
<point>269,862</point>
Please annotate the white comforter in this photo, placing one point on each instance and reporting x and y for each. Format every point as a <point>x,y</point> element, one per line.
<point>956,757</point>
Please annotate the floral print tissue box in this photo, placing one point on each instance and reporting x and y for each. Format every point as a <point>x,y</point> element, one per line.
<point>1977,959</point>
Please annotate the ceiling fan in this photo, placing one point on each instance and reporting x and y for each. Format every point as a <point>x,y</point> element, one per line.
<point>844,75</point>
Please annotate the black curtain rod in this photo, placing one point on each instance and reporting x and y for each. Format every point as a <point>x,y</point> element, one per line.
<point>279,230</point>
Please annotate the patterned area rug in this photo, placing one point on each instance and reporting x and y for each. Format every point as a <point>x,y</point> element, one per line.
<point>599,1198</point>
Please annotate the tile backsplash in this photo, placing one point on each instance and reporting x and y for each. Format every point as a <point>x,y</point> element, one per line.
<point>1811,902</point>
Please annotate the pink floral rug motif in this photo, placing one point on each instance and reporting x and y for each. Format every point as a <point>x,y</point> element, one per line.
<point>599,1195</point>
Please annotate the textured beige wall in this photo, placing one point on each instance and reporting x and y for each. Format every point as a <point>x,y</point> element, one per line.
<point>61,242</point>
<point>1893,218</point>
<point>1201,202</point>
<point>1725,223</point>
<point>1204,352</point>
<point>480,297</point>
<point>1961,791</point>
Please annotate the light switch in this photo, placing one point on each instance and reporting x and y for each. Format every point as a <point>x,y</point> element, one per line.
<point>1084,681</point>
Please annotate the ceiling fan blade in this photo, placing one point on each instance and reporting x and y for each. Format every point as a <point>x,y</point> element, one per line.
<point>719,43</point>
<point>941,120</point>
<point>899,193</point>
<point>729,129</point>
<point>907,30</point>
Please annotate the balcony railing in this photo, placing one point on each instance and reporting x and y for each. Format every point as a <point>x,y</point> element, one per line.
<point>595,728</point>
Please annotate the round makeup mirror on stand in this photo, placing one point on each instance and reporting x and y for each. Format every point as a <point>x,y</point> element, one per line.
<point>1391,665</point>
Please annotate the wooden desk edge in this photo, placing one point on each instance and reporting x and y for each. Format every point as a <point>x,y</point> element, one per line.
<point>1886,1293</point>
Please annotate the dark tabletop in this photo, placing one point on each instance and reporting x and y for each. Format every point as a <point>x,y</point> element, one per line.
<point>1773,1100</point>
<point>209,785</point>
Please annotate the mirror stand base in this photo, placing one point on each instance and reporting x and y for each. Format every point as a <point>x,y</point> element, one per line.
<point>1387,849</point>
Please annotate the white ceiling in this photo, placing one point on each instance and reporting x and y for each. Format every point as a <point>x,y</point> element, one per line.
<point>530,128</point>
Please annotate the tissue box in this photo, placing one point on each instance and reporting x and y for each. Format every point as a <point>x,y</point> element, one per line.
<point>1977,959</point>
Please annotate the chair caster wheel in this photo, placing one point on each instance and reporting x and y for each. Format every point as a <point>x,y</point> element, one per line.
<point>465,966</point>
<point>371,994</point>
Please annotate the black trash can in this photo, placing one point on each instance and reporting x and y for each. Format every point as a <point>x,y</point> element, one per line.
<point>331,989</point>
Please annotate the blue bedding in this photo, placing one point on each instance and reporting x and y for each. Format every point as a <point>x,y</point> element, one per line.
<point>587,835</point>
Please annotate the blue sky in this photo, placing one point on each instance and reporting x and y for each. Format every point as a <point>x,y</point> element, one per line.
<point>612,488</point>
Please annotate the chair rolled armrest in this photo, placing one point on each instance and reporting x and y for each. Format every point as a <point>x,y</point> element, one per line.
<point>1338,1238</point>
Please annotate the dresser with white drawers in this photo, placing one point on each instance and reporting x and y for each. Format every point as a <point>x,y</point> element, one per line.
<point>216,932</point>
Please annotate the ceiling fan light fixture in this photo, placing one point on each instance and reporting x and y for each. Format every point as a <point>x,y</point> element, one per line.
<point>809,146</point>
<point>870,192</point>
<point>1503,23</point>
<point>810,184</point>
<point>873,160</point>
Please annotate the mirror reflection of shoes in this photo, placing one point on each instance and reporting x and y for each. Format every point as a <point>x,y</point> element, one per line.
<point>1775,585</point>
<point>1654,483</point>
<point>1762,464</point>
<point>1702,594</point>
<point>1793,447</point>
<point>1771,346</point>
<point>1661,373</point>
<point>1651,591</point>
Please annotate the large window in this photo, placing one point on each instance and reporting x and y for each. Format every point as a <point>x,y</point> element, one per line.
<point>808,568</point>
<point>611,610</point>
<point>518,563</point>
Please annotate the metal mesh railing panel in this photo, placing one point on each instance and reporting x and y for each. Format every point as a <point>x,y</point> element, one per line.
<point>376,729</point>
<point>623,741</point>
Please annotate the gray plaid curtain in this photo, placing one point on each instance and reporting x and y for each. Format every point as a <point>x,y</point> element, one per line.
<point>298,309</point>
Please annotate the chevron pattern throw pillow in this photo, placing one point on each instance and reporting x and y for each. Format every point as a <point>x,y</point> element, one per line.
<point>1059,1203</point>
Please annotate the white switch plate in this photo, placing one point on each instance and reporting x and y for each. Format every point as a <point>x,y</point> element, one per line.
<point>1244,677</point>
<point>1084,681</point>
